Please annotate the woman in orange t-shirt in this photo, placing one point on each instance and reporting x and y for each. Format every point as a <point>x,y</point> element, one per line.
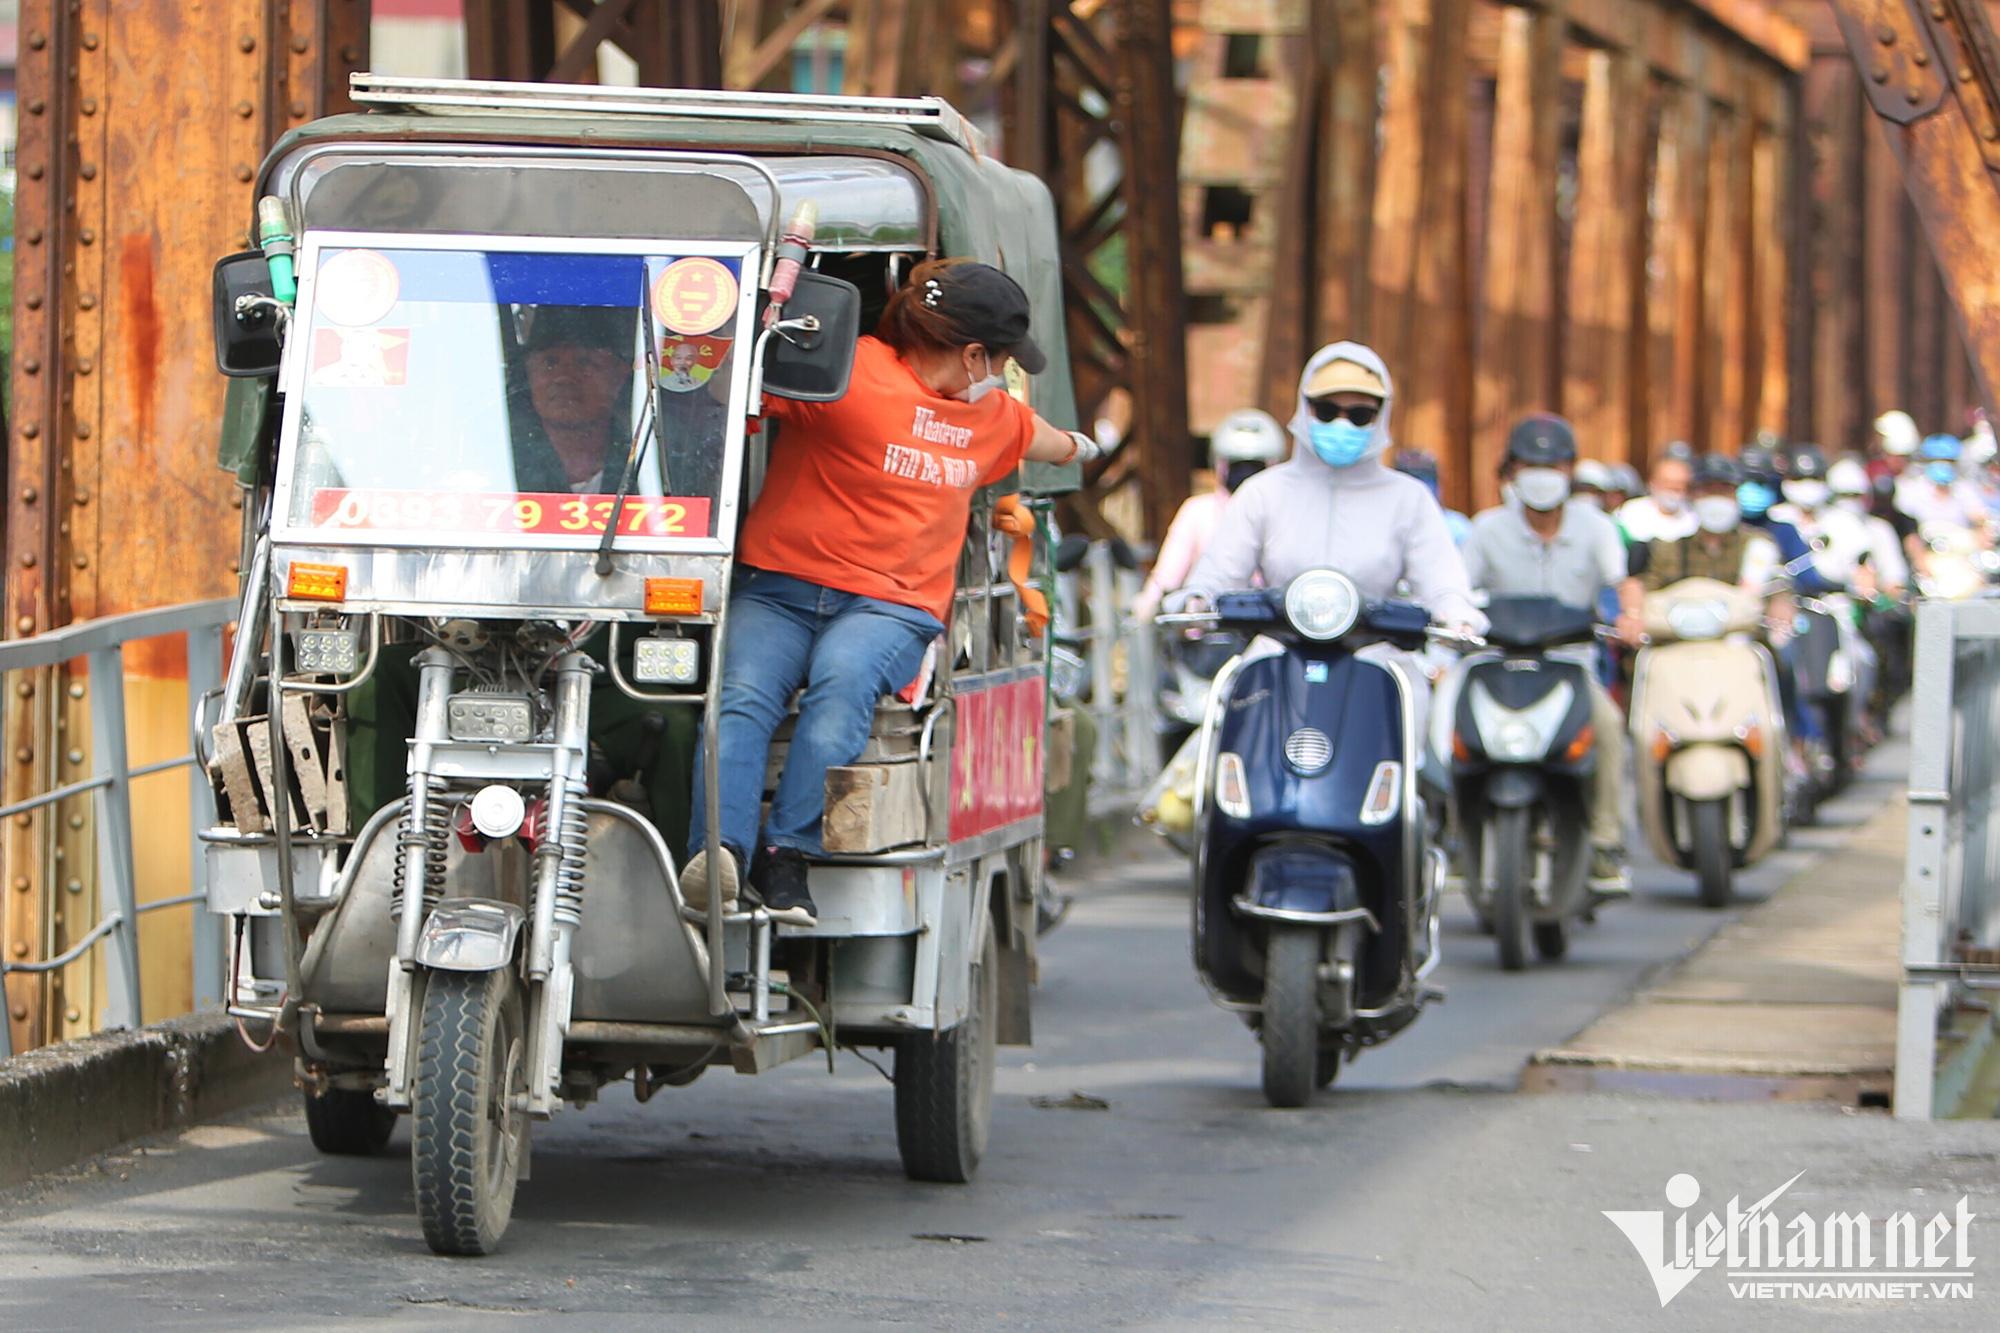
<point>849,553</point>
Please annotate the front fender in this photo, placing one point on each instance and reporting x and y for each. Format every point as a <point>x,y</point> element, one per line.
<point>1707,772</point>
<point>1514,787</point>
<point>1301,883</point>
<point>469,935</point>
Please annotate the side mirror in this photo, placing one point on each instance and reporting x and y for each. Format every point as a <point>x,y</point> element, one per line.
<point>1070,552</point>
<point>814,366</point>
<point>247,343</point>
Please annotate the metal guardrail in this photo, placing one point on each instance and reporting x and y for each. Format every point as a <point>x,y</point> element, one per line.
<point>1951,884</point>
<point>102,644</point>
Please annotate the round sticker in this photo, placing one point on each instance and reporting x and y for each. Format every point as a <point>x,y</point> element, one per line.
<point>357,287</point>
<point>695,296</point>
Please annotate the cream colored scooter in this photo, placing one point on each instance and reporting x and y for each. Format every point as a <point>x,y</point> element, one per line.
<point>1709,738</point>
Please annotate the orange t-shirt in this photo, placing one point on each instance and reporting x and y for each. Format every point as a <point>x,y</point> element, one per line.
<point>870,493</point>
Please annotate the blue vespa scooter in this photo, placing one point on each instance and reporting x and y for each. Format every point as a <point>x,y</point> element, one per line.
<point>1315,882</point>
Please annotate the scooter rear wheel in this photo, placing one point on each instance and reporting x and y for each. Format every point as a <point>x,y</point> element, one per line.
<point>1291,1015</point>
<point>348,1122</point>
<point>1714,859</point>
<point>1551,940</point>
<point>1509,852</point>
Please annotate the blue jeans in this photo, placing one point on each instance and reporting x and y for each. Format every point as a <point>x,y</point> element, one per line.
<point>847,651</point>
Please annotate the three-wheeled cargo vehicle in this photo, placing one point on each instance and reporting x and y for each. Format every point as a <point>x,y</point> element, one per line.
<point>456,739</point>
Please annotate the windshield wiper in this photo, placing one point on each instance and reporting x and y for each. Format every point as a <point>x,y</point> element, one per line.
<point>647,427</point>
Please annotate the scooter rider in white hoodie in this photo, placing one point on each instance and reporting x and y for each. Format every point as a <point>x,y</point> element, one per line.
<point>1336,505</point>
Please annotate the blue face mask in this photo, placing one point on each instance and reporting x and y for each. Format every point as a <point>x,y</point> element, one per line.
<point>1944,474</point>
<point>1341,443</point>
<point>1755,498</point>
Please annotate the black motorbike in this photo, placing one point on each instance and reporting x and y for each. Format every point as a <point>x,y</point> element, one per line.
<point>1523,758</point>
<point>1316,885</point>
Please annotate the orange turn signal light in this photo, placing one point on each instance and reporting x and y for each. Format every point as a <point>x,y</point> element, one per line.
<point>316,583</point>
<point>673,597</point>
<point>1459,749</point>
<point>1580,747</point>
<point>1663,745</point>
<point>1752,737</point>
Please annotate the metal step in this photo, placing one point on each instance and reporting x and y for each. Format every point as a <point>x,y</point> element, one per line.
<point>932,117</point>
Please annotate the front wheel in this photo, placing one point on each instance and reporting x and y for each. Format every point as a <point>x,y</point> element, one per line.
<point>1714,860</point>
<point>1509,853</point>
<point>944,1085</point>
<point>1291,1015</point>
<point>467,1128</point>
<point>348,1122</point>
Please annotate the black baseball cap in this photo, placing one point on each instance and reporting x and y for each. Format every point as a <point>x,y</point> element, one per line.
<point>986,307</point>
<point>1542,440</point>
<point>1717,470</point>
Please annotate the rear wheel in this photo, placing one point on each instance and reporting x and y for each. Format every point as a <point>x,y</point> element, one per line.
<point>1329,1067</point>
<point>944,1085</point>
<point>1551,939</point>
<point>1509,853</point>
<point>467,1130</point>
<point>1714,860</point>
<point>1291,1015</point>
<point>348,1122</point>
<point>1839,746</point>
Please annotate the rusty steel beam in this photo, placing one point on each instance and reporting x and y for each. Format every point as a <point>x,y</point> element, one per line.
<point>141,128</point>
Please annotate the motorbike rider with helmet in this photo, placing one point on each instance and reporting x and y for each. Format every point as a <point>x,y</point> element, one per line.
<point>1337,505</point>
<point>1757,497</point>
<point>1243,444</point>
<point>1935,493</point>
<point>1547,542</point>
<point>1896,441</point>
<point>1662,514</point>
<point>1423,465</point>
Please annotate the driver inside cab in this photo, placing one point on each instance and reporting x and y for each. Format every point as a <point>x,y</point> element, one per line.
<point>848,558</point>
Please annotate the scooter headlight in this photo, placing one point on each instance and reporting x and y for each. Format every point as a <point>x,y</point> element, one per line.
<point>1322,604</point>
<point>1523,735</point>
<point>1699,620</point>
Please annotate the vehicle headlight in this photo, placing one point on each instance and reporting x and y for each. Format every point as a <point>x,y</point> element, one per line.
<point>1322,604</point>
<point>1699,620</point>
<point>489,717</point>
<point>327,652</point>
<point>660,659</point>
<point>1519,735</point>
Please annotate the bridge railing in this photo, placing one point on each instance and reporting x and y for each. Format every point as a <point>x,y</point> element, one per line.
<point>101,643</point>
<point>1951,885</point>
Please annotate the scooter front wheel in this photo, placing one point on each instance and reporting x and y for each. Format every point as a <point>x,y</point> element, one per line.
<point>1714,860</point>
<point>1510,854</point>
<point>467,1128</point>
<point>1291,1015</point>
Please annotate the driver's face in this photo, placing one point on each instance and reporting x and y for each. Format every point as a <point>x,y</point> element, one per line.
<point>576,386</point>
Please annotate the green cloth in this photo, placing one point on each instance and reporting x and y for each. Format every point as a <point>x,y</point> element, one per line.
<point>383,712</point>
<point>1066,810</point>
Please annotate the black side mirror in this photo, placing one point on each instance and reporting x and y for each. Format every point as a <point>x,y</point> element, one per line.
<point>1070,552</point>
<point>246,342</point>
<point>813,365</point>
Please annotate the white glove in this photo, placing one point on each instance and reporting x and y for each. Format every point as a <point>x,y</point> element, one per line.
<point>1088,450</point>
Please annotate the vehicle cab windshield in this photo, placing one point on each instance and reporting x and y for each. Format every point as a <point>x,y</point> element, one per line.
<point>451,392</point>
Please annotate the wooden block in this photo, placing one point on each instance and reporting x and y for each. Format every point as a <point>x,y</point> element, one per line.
<point>873,807</point>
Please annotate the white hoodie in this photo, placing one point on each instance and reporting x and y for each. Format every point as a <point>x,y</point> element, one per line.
<point>1373,524</point>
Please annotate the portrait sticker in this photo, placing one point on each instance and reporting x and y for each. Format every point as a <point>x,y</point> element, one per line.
<point>360,358</point>
<point>686,364</point>
<point>695,296</point>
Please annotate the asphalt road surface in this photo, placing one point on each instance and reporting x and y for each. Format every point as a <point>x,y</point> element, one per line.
<point>1421,1193</point>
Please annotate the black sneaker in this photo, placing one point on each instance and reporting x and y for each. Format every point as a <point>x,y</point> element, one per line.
<point>780,880</point>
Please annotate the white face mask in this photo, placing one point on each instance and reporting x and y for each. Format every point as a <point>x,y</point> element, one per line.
<point>1717,513</point>
<point>1807,494</point>
<point>1542,488</point>
<point>980,388</point>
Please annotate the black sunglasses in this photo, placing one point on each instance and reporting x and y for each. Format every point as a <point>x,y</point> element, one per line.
<point>1325,409</point>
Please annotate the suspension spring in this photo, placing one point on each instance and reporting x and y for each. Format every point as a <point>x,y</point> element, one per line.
<point>573,838</point>
<point>424,831</point>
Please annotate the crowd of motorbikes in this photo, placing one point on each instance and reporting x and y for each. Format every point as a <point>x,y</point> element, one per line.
<point>1331,766</point>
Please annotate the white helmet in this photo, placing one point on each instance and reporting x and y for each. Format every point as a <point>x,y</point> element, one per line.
<point>1592,474</point>
<point>1247,436</point>
<point>1847,477</point>
<point>1899,433</point>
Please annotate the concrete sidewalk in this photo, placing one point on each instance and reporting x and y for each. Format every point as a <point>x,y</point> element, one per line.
<point>1794,1001</point>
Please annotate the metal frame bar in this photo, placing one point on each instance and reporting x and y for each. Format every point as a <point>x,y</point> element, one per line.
<point>101,643</point>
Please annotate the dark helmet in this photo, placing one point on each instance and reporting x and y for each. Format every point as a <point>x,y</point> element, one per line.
<point>1542,440</point>
<point>1808,463</point>
<point>1717,470</point>
<point>1680,451</point>
<point>1420,464</point>
<point>1758,463</point>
